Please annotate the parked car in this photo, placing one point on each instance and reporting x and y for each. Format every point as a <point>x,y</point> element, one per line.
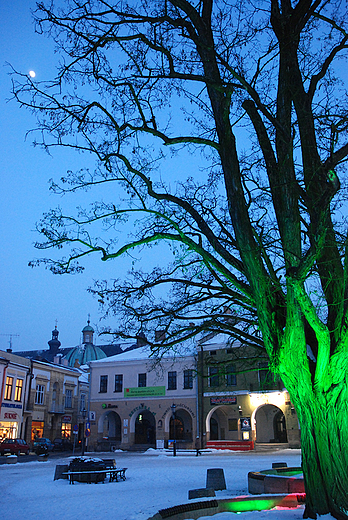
<point>62,445</point>
<point>43,445</point>
<point>14,446</point>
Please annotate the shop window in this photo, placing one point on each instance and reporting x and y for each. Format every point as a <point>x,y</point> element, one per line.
<point>39,396</point>
<point>68,398</point>
<point>213,376</point>
<point>231,376</point>
<point>37,428</point>
<point>141,380</point>
<point>66,430</point>
<point>8,388</point>
<point>188,379</point>
<point>103,388</point>
<point>18,390</point>
<point>8,430</point>
<point>118,383</point>
<point>171,380</point>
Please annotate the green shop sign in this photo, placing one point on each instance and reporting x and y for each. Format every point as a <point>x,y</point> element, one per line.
<point>145,391</point>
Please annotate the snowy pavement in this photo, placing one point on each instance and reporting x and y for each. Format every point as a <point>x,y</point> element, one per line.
<point>155,480</point>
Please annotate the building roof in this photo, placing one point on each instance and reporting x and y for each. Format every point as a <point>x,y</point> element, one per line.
<point>145,353</point>
<point>85,353</point>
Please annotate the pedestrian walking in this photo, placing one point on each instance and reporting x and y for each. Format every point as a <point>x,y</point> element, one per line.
<point>197,443</point>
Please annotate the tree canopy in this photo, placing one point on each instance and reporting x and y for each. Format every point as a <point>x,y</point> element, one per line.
<point>220,128</point>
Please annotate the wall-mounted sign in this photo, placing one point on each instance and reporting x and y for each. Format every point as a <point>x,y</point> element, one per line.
<point>145,391</point>
<point>8,405</point>
<point>224,400</point>
<point>141,408</point>
<point>245,424</point>
<point>109,405</point>
<point>66,418</point>
<point>92,416</point>
<point>12,416</point>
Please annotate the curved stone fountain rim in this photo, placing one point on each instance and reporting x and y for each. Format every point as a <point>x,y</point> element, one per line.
<point>273,481</point>
<point>195,510</point>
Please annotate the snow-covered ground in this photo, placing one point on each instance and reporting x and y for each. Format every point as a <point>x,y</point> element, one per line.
<point>155,480</point>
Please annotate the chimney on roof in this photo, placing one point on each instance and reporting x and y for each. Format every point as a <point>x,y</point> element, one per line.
<point>160,335</point>
<point>141,339</point>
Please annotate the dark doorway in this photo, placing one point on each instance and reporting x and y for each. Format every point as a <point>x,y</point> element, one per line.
<point>214,429</point>
<point>145,428</point>
<point>279,427</point>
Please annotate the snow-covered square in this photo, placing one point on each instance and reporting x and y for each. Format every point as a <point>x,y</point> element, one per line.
<point>155,480</point>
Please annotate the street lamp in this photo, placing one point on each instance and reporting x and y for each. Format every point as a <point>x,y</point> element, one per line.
<point>84,415</point>
<point>174,436</point>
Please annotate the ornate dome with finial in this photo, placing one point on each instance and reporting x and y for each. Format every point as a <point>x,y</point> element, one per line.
<point>87,351</point>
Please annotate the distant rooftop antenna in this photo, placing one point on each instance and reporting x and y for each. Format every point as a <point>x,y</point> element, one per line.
<point>10,341</point>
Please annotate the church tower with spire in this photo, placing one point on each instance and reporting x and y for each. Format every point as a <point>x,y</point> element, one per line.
<point>54,343</point>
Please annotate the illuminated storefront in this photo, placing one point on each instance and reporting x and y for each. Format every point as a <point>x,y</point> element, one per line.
<point>14,371</point>
<point>66,427</point>
<point>37,428</point>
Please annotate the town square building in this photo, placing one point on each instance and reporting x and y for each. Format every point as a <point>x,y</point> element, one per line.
<point>136,400</point>
<point>14,384</point>
<point>216,391</point>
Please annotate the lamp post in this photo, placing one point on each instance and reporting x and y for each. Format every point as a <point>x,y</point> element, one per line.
<point>174,436</point>
<point>84,414</point>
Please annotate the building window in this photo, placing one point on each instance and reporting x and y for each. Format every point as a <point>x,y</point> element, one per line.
<point>8,388</point>
<point>171,380</point>
<point>68,398</point>
<point>188,379</point>
<point>118,383</point>
<point>141,380</point>
<point>39,396</point>
<point>103,384</point>
<point>213,376</point>
<point>231,376</point>
<point>266,377</point>
<point>82,402</point>
<point>212,352</point>
<point>19,390</point>
<point>232,425</point>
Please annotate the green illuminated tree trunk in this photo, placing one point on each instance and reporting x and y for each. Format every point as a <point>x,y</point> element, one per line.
<point>324,438</point>
<point>253,95</point>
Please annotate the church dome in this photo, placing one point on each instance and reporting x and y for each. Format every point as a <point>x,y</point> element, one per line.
<point>83,354</point>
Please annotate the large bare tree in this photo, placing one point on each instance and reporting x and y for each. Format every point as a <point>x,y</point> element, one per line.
<point>219,127</point>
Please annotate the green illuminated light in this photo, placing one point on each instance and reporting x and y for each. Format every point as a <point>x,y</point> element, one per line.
<point>251,505</point>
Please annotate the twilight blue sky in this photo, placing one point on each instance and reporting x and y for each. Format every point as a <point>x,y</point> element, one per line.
<point>32,299</point>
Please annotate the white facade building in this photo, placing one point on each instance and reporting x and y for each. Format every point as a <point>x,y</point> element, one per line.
<point>132,398</point>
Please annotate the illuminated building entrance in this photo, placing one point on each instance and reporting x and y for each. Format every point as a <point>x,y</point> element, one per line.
<point>270,424</point>
<point>145,428</point>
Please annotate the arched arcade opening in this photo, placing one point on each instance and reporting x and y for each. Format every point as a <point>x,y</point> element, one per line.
<point>183,426</point>
<point>109,426</point>
<point>145,428</point>
<point>270,424</point>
